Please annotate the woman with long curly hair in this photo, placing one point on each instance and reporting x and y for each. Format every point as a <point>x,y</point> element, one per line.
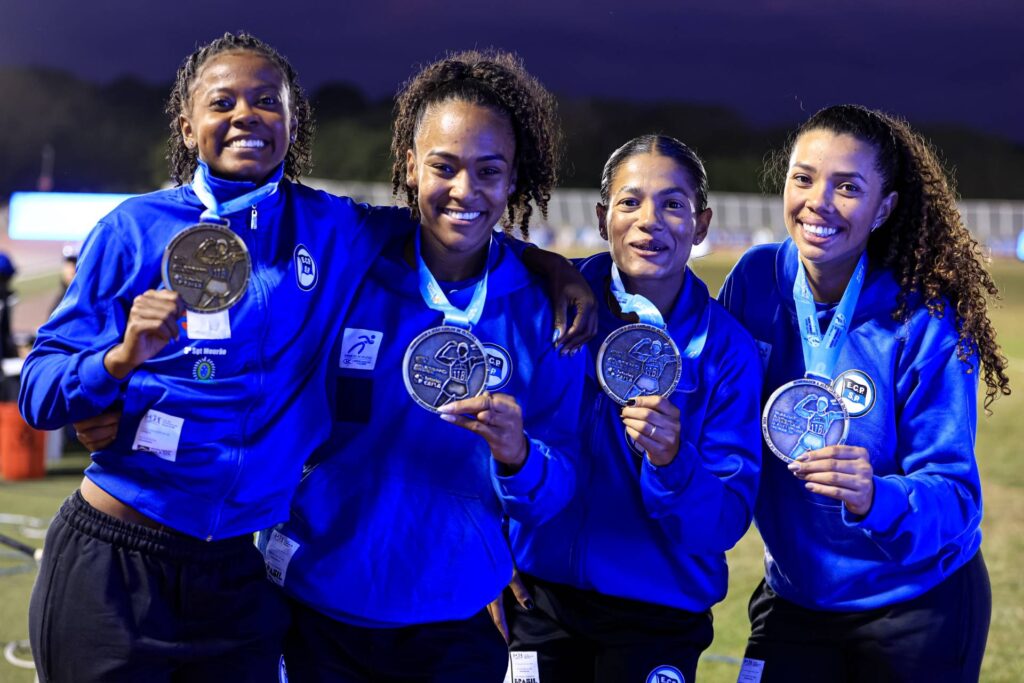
<point>452,409</point>
<point>873,326</point>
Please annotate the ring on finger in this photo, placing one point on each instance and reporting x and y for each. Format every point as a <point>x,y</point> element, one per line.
<point>654,428</point>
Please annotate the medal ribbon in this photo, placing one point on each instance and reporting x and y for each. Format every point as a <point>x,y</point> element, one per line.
<point>635,303</point>
<point>649,314</point>
<point>216,210</point>
<point>821,354</point>
<point>436,299</point>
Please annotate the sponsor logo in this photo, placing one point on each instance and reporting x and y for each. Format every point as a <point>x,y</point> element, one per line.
<point>857,391</point>
<point>499,366</point>
<point>204,369</point>
<point>665,674</point>
<point>306,273</point>
<point>359,349</point>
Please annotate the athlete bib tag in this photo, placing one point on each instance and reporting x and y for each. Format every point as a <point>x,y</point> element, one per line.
<point>446,363</point>
<point>807,414</point>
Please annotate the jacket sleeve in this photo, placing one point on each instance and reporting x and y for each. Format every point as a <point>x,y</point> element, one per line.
<point>927,509</point>
<point>704,498</point>
<point>547,480</point>
<point>64,379</point>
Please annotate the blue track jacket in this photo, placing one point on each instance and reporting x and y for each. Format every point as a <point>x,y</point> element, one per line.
<point>913,406</point>
<point>659,534</point>
<point>253,405</point>
<point>398,520</point>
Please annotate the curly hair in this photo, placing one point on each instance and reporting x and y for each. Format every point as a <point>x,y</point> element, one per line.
<point>923,242</point>
<point>182,160</point>
<point>496,80</point>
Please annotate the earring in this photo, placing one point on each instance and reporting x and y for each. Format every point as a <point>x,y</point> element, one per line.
<point>876,225</point>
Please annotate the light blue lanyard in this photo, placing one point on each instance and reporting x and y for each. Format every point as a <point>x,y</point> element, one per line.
<point>649,314</point>
<point>821,354</point>
<point>436,299</point>
<point>215,210</point>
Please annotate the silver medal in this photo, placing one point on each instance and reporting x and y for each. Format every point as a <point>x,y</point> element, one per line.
<point>638,360</point>
<point>444,364</point>
<point>803,415</point>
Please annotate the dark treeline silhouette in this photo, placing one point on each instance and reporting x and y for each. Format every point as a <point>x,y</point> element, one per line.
<point>110,138</point>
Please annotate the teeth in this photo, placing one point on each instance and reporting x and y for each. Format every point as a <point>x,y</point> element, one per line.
<point>819,230</point>
<point>463,215</point>
<point>649,246</point>
<point>247,142</point>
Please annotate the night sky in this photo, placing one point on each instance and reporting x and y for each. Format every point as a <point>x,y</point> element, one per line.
<point>938,61</point>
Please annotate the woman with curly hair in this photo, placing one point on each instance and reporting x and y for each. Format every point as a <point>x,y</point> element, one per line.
<point>451,407</point>
<point>149,571</point>
<point>873,326</point>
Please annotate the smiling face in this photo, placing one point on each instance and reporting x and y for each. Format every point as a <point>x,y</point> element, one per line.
<point>833,198</point>
<point>239,117</point>
<point>462,169</point>
<point>652,220</point>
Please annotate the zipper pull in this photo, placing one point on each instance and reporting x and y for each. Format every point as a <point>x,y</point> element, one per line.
<point>252,220</point>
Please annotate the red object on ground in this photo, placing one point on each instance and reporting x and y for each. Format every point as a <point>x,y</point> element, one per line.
<point>21,447</point>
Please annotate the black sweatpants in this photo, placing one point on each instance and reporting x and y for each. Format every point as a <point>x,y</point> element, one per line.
<point>937,637</point>
<point>582,636</point>
<point>117,602</point>
<point>319,649</point>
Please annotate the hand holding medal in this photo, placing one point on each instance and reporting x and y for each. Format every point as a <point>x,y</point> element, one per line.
<point>840,472</point>
<point>653,423</point>
<point>152,323</point>
<point>498,419</point>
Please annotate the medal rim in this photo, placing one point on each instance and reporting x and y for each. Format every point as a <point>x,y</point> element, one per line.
<point>765,433</point>
<point>222,229</point>
<point>628,328</point>
<point>430,331</point>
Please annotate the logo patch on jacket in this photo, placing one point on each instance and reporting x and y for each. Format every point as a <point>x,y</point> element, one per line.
<point>359,349</point>
<point>666,674</point>
<point>499,366</point>
<point>306,273</point>
<point>204,369</point>
<point>856,390</point>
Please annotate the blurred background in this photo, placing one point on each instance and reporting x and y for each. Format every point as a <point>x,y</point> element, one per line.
<point>83,87</point>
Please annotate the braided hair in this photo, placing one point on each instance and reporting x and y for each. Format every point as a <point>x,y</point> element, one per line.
<point>182,160</point>
<point>496,80</point>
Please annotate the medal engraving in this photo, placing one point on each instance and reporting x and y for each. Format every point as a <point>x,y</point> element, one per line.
<point>208,265</point>
<point>803,415</point>
<point>638,360</point>
<point>444,364</point>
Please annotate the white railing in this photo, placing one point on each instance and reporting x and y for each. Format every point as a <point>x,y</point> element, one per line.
<point>739,219</point>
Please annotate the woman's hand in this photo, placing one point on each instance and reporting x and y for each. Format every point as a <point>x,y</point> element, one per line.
<point>569,292</point>
<point>498,419</point>
<point>100,431</point>
<point>653,422</point>
<point>152,323</point>
<point>497,607</point>
<point>840,472</point>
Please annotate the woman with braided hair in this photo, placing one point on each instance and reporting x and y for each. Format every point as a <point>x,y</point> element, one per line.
<point>876,305</point>
<point>451,407</point>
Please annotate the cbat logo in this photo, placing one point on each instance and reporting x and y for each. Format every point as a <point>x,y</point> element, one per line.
<point>499,366</point>
<point>856,390</point>
<point>306,273</point>
<point>666,674</point>
<point>204,370</point>
<point>359,348</point>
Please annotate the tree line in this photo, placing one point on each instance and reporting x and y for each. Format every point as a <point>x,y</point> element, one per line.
<point>81,136</point>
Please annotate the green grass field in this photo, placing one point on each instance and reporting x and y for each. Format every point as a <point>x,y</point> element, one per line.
<point>1000,436</point>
